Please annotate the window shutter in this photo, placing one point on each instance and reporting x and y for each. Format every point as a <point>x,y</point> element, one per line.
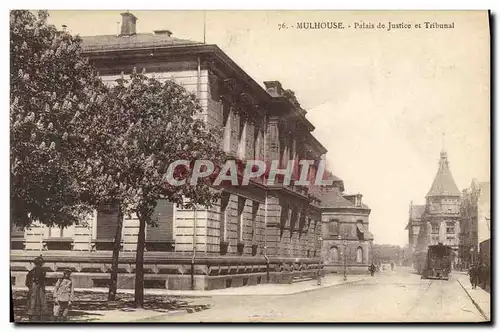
<point>106,222</point>
<point>17,232</point>
<point>163,216</point>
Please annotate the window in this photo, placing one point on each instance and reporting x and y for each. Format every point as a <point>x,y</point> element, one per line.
<point>334,254</point>
<point>334,227</point>
<point>435,229</point>
<point>223,216</point>
<point>256,143</point>
<point>161,236</point>
<point>226,123</point>
<point>242,138</point>
<point>359,255</point>
<point>450,228</point>
<point>241,216</point>
<point>255,209</point>
<point>294,215</point>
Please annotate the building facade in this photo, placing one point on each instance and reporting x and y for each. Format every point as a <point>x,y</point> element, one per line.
<point>475,223</point>
<point>255,234</point>
<point>413,227</point>
<point>346,240</point>
<point>440,220</point>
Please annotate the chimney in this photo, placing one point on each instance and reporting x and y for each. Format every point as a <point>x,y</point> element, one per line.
<point>163,32</point>
<point>128,24</point>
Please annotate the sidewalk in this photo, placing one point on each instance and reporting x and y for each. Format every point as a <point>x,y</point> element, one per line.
<point>132,314</point>
<point>258,290</point>
<point>478,296</point>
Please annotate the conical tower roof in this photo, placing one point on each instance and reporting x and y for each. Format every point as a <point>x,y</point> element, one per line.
<point>444,184</point>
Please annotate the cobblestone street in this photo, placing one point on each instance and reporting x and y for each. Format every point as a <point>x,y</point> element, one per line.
<point>398,296</point>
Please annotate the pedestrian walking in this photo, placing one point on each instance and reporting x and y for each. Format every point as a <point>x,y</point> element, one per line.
<point>63,296</point>
<point>392,266</point>
<point>372,269</point>
<point>473,276</point>
<point>483,275</point>
<point>36,301</point>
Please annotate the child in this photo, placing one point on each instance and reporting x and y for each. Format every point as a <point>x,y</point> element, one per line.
<point>63,295</point>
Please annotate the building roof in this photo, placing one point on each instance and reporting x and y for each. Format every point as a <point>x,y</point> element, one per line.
<point>137,41</point>
<point>444,184</point>
<point>332,198</point>
<point>417,211</point>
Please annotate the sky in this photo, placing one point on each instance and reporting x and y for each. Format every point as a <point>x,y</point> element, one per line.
<point>384,103</point>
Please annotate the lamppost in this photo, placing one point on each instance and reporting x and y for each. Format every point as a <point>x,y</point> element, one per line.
<point>320,242</point>
<point>344,242</point>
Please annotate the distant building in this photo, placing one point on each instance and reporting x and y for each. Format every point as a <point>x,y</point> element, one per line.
<point>345,229</point>
<point>413,226</point>
<point>440,220</point>
<point>475,223</point>
<point>388,253</point>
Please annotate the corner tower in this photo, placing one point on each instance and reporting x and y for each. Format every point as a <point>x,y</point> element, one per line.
<point>441,218</point>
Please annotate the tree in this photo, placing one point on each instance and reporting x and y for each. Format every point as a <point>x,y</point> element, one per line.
<point>61,146</point>
<point>160,123</point>
<point>55,96</point>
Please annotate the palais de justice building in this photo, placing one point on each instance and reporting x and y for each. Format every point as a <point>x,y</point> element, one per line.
<point>255,234</point>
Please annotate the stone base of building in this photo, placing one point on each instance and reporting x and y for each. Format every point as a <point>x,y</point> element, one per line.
<point>172,282</point>
<point>175,272</point>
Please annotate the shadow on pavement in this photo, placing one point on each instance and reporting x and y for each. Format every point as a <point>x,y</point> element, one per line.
<point>86,303</point>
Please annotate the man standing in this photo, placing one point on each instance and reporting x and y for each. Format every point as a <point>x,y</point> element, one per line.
<point>372,269</point>
<point>35,281</point>
<point>63,296</point>
<point>473,271</point>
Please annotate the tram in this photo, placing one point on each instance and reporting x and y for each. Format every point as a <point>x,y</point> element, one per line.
<point>435,263</point>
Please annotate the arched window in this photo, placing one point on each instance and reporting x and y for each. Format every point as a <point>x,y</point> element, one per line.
<point>359,255</point>
<point>333,254</point>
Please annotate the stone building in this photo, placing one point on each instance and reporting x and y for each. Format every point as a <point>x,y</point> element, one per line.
<point>440,220</point>
<point>255,234</point>
<point>475,223</point>
<point>345,228</point>
<point>413,228</point>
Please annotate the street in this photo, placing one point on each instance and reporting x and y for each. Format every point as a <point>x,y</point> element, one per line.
<point>390,296</point>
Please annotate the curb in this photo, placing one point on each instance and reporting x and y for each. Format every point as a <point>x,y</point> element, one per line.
<point>320,287</point>
<point>474,302</point>
<point>128,292</point>
<point>196,308</point>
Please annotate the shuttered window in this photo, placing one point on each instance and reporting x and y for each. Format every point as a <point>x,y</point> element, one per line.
<point>223,216</point>
<point>333,227</point>
<point>241,217</point>
<point>163,216</point>
<point>17,232</point>
<point>106,222</point>
<point>255,209</point>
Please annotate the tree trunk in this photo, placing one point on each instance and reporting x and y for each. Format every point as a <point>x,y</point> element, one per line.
<point>139,263</point>
<point>116,253</point>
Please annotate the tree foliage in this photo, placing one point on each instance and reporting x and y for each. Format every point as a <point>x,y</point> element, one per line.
<point>55,94</point>
<point>77,144</point>
<point>156,124</point>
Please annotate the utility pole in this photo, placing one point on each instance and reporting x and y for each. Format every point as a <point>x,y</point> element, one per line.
<point>320,240</point>
<point>345,257</point>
